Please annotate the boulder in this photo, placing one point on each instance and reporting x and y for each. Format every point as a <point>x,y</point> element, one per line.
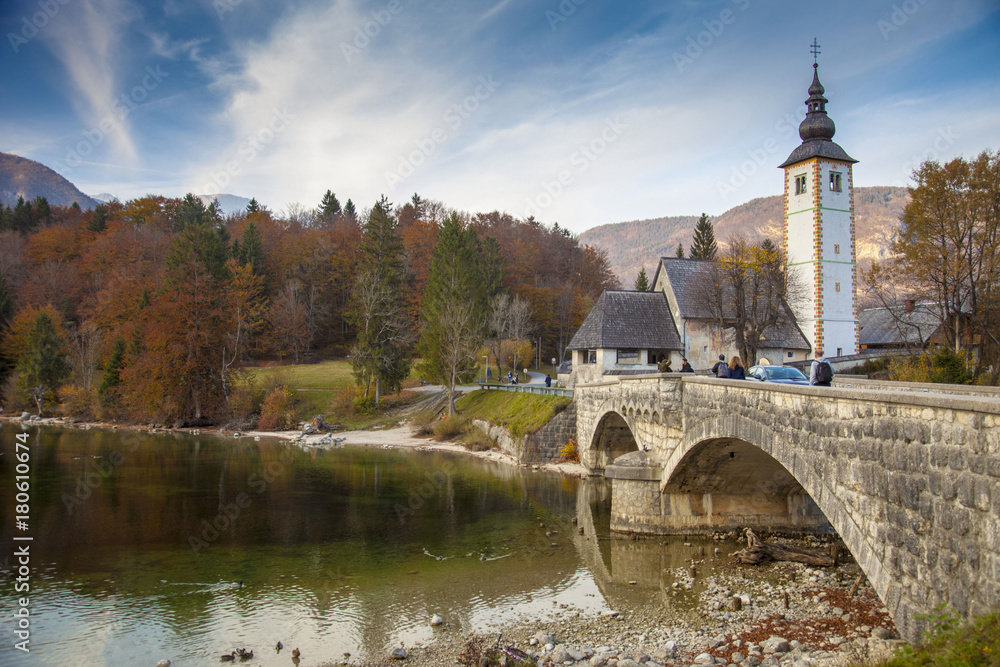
<point>775,644</point>
<point>399,653</point>
<point>436,620</point>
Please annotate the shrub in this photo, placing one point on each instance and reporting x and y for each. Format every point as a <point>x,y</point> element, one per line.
<point>278,411</point>
<point>423,423</point>
<point>477,440</point>
<point>948,366</point>
<point>569,452</point>
<point>246,401</point>
<point>449,428</point>
<point>78,402</point>
<point>14,400</point>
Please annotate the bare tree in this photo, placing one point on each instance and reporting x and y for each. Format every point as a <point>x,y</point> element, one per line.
<point>747,290</point>
<point>289,320</point>
<point>508,321</point>
<point>460,331</point>
<point>85,353</point>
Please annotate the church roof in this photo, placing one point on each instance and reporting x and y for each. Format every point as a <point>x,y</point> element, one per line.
<point>817,129</point>
<point>688,276</point>
<point>628,319</point>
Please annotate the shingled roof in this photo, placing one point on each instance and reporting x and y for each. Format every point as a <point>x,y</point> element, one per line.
<point>686,278</point>
<point>895,326</point>
<point>628,319</point>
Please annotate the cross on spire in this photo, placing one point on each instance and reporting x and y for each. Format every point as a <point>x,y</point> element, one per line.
<point>815,51</point>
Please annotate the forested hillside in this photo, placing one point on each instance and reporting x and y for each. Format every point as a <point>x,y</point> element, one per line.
<point>146,310</point>
<point>632,245</point>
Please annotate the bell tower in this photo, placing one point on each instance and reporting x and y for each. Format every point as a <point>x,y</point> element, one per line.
<point>819,228</point>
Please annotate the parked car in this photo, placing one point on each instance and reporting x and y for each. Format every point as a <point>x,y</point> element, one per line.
<point>778,374</point>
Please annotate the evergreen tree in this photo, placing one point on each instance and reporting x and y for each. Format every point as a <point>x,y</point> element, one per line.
<point>98,219</point>
<point>641,281</point>
<point>704,246</point>
<point>454,309</point>
<point>491,261</point>
<point>42,211</point>
<point>350,211</point>
<point>23,219</point>
<point>253,206</point>
<point>201,236</point>
<point>680,251</point>
<point>43,366</point>
<point>251,251</point>
<point>330,205</point>
<point>113,369</point>
<point>6,304</point>
<point>381,353</point>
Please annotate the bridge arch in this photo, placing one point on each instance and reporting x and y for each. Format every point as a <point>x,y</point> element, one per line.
<point>613,436</point>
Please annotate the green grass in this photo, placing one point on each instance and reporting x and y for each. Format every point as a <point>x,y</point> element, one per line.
<point>968,645</point>
<point>520,412</point>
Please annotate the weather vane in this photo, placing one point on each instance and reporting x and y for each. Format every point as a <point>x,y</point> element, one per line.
<point>815,51</point>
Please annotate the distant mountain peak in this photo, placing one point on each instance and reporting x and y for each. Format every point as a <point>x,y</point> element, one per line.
<point>21,177</point>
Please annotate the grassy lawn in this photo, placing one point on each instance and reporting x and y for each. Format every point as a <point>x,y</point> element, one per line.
<point>520,412</point>
<point>315,386</point>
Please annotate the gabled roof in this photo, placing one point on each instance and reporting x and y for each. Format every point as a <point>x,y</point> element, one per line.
<point>628,319</point>
<point>688,276</point>
<point>894,326</point>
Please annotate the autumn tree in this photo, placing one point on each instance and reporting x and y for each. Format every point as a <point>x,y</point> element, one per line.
<point>747,290</point>
<point>949,247</point>
<point>641,281</point>
<point>380,356</point>
<point>454,309</point>
<point>704,245</point>
<point>43,367</point>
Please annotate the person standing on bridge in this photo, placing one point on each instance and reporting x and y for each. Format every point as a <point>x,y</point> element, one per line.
<point>821,373</point>
<point>736,370</point>
<point>721,369</point>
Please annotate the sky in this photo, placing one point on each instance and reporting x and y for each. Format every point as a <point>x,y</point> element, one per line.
<point>580,112</point>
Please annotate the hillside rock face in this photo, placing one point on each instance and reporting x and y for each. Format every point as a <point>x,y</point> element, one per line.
<point>632,245</point>
<point>21,177</point>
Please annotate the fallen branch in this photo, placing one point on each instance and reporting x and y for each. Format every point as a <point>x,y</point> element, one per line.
<point>757,552</point>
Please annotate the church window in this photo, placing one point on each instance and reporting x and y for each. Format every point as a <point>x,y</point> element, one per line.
<point>835,182</point>
<point>836,248</point>
<point>800,184</point>
<point>837,286</point>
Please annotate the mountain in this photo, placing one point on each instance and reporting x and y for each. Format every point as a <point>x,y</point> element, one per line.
<point>21,177</point>
<point>229,204</point>
<point>104,197</point>
<point>632,245</point>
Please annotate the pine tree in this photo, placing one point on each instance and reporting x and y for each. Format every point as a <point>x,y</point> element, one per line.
<point>680,251</point>
<point>454,308</point>
<point>704,246</point>
<point>43,366</point>
<point>251,250</point>
<point>330,205</point>
<point>641,281</point>
<point>491,262</point>
<point>350,211</point>
<point>98,219</point>
<point>6,304</point>
<point>381,353</point>
<point>253,206</point>
<point>113,369</point>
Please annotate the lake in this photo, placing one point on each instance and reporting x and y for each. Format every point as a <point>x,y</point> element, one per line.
<point>186,547</point>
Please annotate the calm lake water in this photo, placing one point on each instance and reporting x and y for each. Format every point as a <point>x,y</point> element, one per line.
<point>140,542</point>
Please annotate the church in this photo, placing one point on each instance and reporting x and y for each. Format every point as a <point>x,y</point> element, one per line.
<point>628,332</point>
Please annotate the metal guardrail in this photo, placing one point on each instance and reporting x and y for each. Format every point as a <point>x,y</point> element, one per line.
<point>530,389</point>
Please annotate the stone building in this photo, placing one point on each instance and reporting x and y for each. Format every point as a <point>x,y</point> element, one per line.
<point>626,332</point>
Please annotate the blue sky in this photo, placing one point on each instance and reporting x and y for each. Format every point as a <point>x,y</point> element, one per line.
<point>581,112</point>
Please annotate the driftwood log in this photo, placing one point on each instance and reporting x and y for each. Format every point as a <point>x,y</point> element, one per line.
<point>758,552</point>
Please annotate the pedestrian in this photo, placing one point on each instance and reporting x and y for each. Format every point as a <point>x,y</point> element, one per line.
<point>548,380</point>
<point>821,373</point>
<point>736,370</point>
<point>717,369</point>
<point>685,366</point>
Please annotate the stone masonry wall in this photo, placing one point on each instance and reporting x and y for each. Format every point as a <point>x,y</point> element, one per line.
<point>542,446</point>
<point>911,482</point>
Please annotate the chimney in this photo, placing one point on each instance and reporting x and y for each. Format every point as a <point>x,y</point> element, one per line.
<point>908,306</point>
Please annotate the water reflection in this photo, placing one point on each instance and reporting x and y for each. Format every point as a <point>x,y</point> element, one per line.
<point>139,540</point>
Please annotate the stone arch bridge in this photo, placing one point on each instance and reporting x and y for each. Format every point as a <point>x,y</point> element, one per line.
<point>910,480</point>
